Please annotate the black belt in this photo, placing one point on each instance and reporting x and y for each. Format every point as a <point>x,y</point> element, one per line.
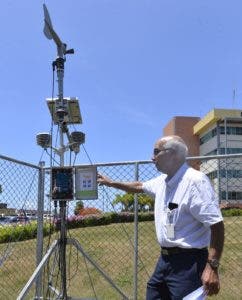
<point>177,250</point>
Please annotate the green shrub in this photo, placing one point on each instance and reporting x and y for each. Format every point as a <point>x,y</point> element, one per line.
<point>232,212</point>
<point>22,232</point>
<point>104,219</point>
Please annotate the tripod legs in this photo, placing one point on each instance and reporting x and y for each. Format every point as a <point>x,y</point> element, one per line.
<point>54,247</point>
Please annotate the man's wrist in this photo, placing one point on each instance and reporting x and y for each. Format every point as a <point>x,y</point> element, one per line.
<point>214,263</point>
<point>110,184</point>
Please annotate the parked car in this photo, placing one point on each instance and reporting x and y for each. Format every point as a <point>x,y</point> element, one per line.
<point>4,220</point>
<point>7,220</point>
<point>18,219</point>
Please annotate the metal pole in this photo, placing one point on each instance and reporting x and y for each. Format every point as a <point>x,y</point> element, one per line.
<point>60,75</point>
<point>44,260</point>
<point>62,204</point>
<point>226,152</point>
<point>39,250</point>
<point>136,235</point>
<point>219,167</point>
<point>62,248</point>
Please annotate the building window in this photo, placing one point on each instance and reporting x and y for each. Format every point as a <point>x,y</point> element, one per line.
<point>232,195</point>
<point>223,151</point>
<point>223,174</point>
<point>230,130</point>
<point>208,136</point>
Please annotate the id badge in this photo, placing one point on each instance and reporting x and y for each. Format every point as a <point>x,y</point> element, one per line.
<point>170,231</point>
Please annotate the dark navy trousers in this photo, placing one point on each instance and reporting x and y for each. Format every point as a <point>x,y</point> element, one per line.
<point>176,275</point>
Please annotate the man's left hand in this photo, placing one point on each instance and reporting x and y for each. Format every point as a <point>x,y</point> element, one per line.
<point>210,280</point>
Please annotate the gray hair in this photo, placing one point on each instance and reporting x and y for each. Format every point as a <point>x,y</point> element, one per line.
<point>177,144</point>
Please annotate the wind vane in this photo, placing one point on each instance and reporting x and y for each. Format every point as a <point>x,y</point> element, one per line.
<point>51,34</point>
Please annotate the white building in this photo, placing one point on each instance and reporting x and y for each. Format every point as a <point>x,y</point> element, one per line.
<point>220,132</point>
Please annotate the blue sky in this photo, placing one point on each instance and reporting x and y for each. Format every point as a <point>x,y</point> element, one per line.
<point>137,63</point>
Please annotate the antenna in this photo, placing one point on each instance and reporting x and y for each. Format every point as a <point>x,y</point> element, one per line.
<point>234,97</point>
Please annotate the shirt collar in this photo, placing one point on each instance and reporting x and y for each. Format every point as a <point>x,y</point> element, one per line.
<point>177,176</point>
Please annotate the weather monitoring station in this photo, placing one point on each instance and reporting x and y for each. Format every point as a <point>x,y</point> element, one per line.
<point>67,182</point>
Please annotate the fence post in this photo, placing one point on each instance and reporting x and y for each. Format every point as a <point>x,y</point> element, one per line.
<point>39,246</point>
<point>136,235</point>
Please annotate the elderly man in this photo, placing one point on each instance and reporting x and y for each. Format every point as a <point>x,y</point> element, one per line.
<point>187,221</point>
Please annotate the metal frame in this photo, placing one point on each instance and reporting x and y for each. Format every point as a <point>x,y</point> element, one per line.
<point>56,247</point>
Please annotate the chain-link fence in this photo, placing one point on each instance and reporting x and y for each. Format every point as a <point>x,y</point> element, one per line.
<point>18,206</point>
<point>117,250</point>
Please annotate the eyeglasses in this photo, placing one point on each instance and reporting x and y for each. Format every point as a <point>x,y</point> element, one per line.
<point>157,151</point>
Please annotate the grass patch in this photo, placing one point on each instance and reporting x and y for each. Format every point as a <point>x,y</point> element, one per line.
<point>111,247</point>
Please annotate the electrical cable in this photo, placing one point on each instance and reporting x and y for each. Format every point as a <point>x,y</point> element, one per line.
<point>69,262</point>
<point>77,265</point>
<point>51,148</point>
<point>89,276</point>
<point>49,154</point>
<point>69,268</point>
<point>77,268</point>
<point>46,270</point>
<point>52,276</point>
<point>56,140</point>
<point>87,154</point>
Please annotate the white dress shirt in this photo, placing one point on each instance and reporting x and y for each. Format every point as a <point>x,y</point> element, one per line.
<point>197,209</point>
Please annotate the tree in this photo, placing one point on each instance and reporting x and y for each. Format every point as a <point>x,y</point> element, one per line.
<point>145,202</point>
<point>78,207</point>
